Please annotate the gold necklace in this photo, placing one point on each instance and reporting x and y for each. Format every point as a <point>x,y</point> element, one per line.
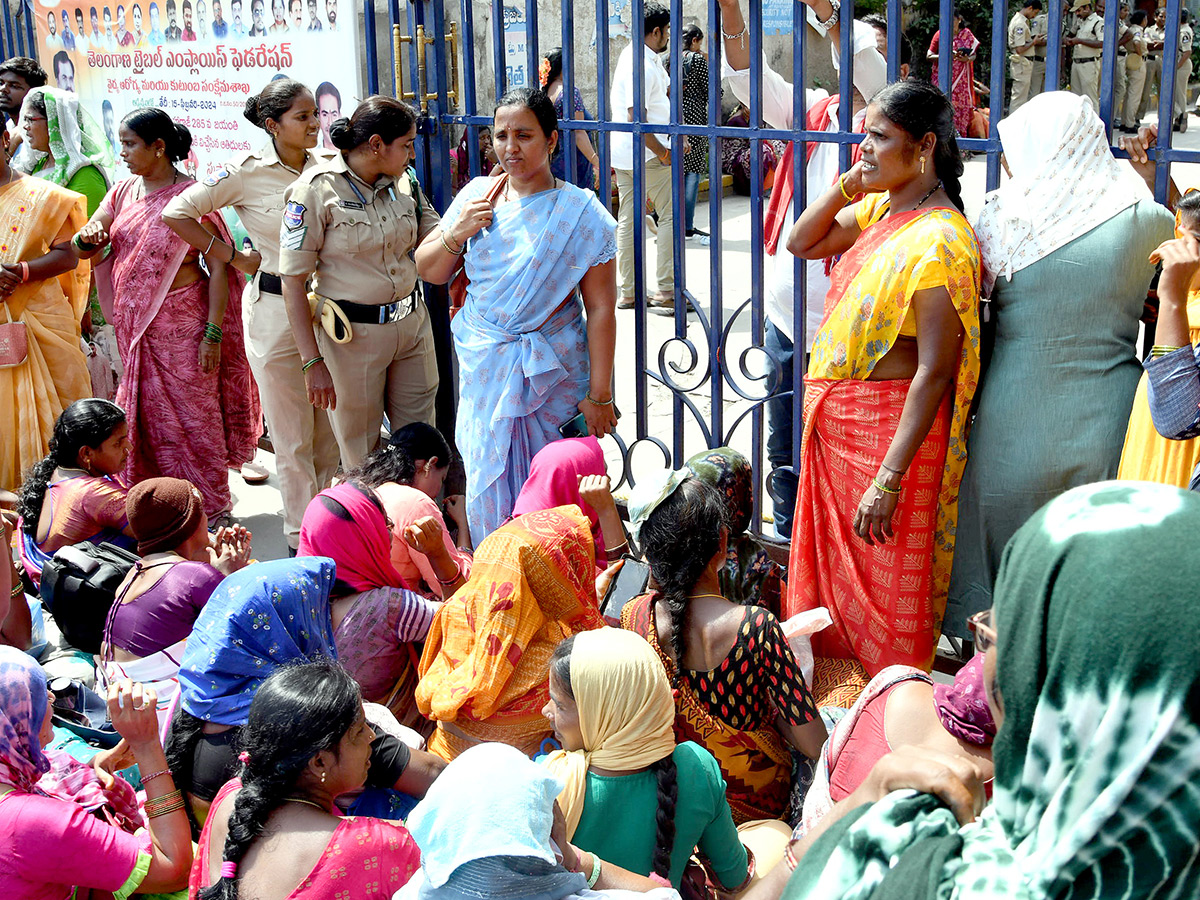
<point>698,596</point>
<point>306,802</point>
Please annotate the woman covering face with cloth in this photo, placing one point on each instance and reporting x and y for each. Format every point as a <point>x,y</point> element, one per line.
<point>352,223</point>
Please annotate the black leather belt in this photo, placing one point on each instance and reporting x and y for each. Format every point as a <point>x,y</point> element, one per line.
<point>1039,58</point>
<point>269,284</point>
<point>374,314</point>
<point>1122,52</point>
<point>1151,56</point>
<point>1086,59</point>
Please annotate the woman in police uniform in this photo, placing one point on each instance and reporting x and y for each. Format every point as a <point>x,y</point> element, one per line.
<point>353,222</point>
<point>306,453</point>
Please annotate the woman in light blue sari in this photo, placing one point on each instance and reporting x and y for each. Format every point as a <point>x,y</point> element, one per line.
<point>536,336</point>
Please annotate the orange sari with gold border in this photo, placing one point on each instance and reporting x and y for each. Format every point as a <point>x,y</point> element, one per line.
<point>887,601</point>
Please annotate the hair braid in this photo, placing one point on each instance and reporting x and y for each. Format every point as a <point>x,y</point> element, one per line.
<point>668,794</point>
<point>180,750</point>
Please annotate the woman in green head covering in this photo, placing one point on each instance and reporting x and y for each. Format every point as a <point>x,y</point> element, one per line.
<point>1094,678</point>
<point>69,146</point>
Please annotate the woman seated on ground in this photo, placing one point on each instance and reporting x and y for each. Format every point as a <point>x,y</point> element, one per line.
<point>160,599</point>
<point>259,619</point>
<point>509,844</point>
<point>408,489</point>
<point>739,690</point>
<point>903,706</point>
<point>561,474</point>
<point>50,846</point>
<point>483,673</point>
<point>1097,750</point>
<point>273,831</point>
<point>611,708</point>
<point>73,495</point>
<point>377,622</point>
<point>750,577</point>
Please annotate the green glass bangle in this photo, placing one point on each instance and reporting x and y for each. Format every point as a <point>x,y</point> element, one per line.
<point>312,362</point>
<point>883,487</point>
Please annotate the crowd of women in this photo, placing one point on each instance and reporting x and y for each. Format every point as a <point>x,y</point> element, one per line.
<point>515,693</point>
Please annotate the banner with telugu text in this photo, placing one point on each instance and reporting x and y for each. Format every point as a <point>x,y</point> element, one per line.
<point>199,60</point>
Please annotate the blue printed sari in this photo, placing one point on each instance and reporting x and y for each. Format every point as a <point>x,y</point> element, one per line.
<point>520,338</point>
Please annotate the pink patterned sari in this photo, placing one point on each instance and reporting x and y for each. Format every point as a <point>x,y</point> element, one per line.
<point>183,422</point>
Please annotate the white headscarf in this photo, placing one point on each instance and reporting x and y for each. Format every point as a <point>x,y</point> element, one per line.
<point>75,138</point>
<point>1065,182</point>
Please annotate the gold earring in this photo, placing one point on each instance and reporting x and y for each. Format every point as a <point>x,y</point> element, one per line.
<point>922,165</point>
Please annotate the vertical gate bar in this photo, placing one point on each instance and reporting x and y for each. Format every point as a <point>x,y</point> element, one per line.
<point>723,360</point>
<point>394,52</point>
<point>945,40</point>
<point>675,79</point>
<point>9,34</point>
<point>800,298</point>
<point>1166,101</point>
<point>567,43</point>
<point>469,100</point>
<point>999,59</point>
<point>602,106</point>
<point>532,60</point>
<point>846,80</point>
<point>894,37</point>
<point>1108,65</point>
<point>638,197</point>
<point>499,60</point>
<point>1054,45</point>
<point>716,184</point>
<point>372,48</point>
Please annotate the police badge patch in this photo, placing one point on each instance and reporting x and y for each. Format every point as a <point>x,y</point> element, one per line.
<point>215,177</point>
<point>293,215</point>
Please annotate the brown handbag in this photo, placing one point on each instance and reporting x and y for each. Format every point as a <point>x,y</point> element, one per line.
<point>14,341</point>
<point>458,284</point>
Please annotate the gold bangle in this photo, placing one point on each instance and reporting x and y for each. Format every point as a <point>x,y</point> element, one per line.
<point>842,185</point>
<point>450,249</point>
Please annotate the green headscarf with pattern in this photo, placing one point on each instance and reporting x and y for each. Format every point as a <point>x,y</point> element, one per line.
<point>1097,791</point>
<point>75,138</point>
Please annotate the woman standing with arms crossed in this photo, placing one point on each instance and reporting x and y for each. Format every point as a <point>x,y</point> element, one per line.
<point>354,220</point>
<point>192,405</point>
<point>894,368</point>
<point>529,359</point>
<point>306,453</point>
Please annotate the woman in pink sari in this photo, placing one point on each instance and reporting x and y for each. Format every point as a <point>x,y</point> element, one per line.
<point>192,405</point>
<point>962,71</point>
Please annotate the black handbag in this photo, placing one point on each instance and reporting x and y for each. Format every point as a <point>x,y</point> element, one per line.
<point>79,587</point>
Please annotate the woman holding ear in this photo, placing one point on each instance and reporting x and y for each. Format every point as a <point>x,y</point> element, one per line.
<point>192,404</point>
<point>894,368</point>
<point>352,223</point>
<point>306,453</point>
<point>46,299</point>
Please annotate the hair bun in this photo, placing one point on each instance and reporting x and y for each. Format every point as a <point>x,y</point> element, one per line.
<point>182,144</point>
<point>251,112</point>
<point>342,134</point>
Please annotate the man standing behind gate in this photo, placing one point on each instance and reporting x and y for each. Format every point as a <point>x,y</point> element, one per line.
<point>1023,44</point>
<point>657,29</point>
<point>1088,44</point>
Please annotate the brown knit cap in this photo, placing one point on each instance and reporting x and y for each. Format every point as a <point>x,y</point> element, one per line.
<point>163,513</point>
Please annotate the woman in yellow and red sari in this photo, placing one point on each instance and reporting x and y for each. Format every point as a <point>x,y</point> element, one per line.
<point>889,387</point>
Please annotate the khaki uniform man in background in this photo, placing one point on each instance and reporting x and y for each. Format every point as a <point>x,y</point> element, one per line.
<point>1183,71</point>
<point>1155,35</point>
<point>1087,44</point>
<point>1039,27</point>
<point>1022,43</point>
<point>1135,72</point>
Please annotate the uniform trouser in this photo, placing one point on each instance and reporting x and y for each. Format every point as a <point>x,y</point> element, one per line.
<point>306,452</point>
<point>1037,83</point>
<point>1085,80</point>
<point>1153,77</point>
<point>1133,95</point>
<point>658,189</point>
<point>1182,74</point>
<point>390,369</point>
<point>1120,84</point>
<point>1022,75</point>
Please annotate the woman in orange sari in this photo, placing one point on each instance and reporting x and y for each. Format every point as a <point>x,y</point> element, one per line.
<point>888,391</point>
<point>484,669</point>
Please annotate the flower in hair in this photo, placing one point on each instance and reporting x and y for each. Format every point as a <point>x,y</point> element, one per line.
<point>544,72</point>
<point>244,758</point>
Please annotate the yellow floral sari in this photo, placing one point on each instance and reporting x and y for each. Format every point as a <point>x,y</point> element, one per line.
<point>34,215</point>
<point>887,601</point>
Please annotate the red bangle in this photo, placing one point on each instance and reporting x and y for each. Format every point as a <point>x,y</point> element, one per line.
<point>24,272</point>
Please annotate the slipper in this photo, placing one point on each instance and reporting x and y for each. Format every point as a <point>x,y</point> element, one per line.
<point>254,473</point>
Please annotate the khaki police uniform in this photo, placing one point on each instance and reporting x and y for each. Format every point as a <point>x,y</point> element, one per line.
<point>1184,71</point>
<point>1085,61</point>
<point>358,238</point>
<point>1135,73</point>
<point>1020,63</point>
<point>1038,27</point>
<point>1119,80</point>
<point>1154,34</point>
<point>306,452</point>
